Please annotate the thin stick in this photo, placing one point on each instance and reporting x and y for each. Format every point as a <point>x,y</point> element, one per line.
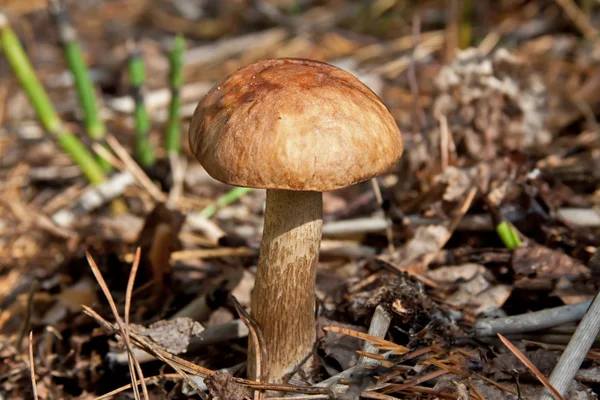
<point>388,229</point>
<point>28,311</point>
<point>178,167</point>
<point>32,367</point>
<point>580,344</point>
<point>150,379</point>
<point>212,253</point>
<point>444,134</point>
<point>533,321</point>
<point>530,365</point>
<point>261,356</point>
<point>580,20</point>
<point>133,366</point>
<point>380,323</point>
<point>128,293</point>
<point>135,169</point>
<point>93,198</point>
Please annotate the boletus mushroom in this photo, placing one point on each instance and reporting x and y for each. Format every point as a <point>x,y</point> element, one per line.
<point>296,128</point>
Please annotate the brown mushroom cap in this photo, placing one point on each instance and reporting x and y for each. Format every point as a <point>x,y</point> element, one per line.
<point>293,124</point>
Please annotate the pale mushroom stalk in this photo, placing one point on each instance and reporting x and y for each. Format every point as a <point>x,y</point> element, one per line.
<point>283,302</point>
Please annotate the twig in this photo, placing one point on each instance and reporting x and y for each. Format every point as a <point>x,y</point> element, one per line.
<point>93,198</point>
<point>133,365</point>
<point>587,217</point>
<point>388,229</point>
<point>135,170</point>
<point>578,17</point>
<point>530,365</point>
<point>576,351</point>
<point>158,99</point>
<point>211,336</point>
<point>178,166</point>
<point>258,341</point>
<point>182,366</point>
<point>129,291</point>
<point>474,222</point>
<point>380,323</point>
<point>32,367</point>
<point>444,134</point>
<point>212,253</point>
<point>225,48</point>
<point>29,310</point>
<point>533,321</point>
<point>150,379</point>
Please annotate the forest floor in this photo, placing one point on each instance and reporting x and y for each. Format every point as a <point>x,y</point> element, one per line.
<point>498,103</point>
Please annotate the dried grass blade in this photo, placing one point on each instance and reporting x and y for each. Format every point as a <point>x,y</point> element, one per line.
<point>32,367</point>
<point>530,365</point>
<point>259,342</point>
<point>379,357</point>
<point>113,307</point>
<point>132,275</point>
<point>150,379</point>
<point>364,336</point>
<point>178,364</point>
<point>416,381</point>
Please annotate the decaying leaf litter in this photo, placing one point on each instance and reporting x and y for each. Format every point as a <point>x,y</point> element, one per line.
<point>497,103</point>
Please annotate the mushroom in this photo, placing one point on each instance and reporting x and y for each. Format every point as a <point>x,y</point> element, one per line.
<point>296,128</point>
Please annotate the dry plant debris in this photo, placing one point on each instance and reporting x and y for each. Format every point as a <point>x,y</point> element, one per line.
<point>497,102</point>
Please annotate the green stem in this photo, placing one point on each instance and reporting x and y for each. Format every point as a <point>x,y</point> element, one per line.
<point>466,24</point>
<point>42,105</point>
<point>137,76</point>
<point>173,133</point>
<point>83,83</point>
<point>228,198</point>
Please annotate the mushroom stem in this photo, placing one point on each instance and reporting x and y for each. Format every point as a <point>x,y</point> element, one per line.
<point>283,302</point>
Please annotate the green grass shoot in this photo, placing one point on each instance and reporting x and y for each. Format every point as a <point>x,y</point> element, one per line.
<point>23,70</point>
<point>508,235</point>
<point>137,76</point>
<point>228,198</point>
<point>94,126</point>
<point>173,131</point>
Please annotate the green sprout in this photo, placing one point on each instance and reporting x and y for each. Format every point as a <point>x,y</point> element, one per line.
<point>173,132</point>
<point>228,198</point>
<point>508,235</point>
<point>94,126</point>
<point>23,70</point>
<point>137,76</point>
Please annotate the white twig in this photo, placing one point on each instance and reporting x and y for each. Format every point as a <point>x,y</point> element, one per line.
<point>380,323</point>
<point>530,322</point>
<point>93,198</point>
<point>135,169</point>
<point>578,347</point>
<point>160,97</point>
<point>178,166</point>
